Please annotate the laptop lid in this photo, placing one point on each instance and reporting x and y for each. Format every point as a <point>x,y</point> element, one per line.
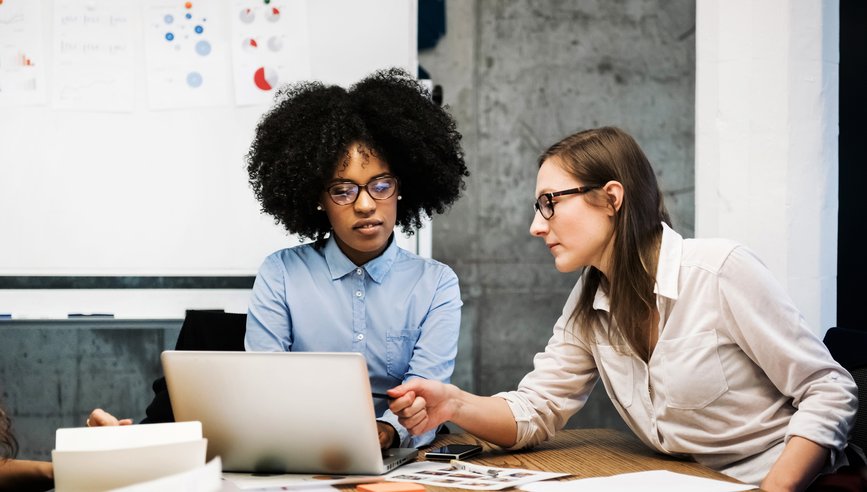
<point>285,412</point>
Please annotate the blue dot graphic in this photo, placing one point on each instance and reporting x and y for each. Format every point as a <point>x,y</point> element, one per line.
<point>199,29</point>
<point>169,19</point>
<point>189,16</point>
<point>170,36</point>
<point>194,79</point>
<point>203,48</point>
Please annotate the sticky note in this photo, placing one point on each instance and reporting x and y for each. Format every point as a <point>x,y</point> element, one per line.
<point>391,487</point>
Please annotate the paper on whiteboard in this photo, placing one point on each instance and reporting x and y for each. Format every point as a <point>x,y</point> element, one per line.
<point>93,55</point>
<point>22,64</point>
<point>186,55</point>
<point>269,47</point>
<point>203,479</point>
<point>649,481</point>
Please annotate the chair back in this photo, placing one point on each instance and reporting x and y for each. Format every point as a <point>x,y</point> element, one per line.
<point>849,349</point>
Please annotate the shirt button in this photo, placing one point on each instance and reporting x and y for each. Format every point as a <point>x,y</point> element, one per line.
<point>360,336</point>
<point>358,271</point>
<point>358,294</point>
<point>834,376</point>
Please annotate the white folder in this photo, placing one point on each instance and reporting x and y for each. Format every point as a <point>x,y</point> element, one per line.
<point>97,459</point>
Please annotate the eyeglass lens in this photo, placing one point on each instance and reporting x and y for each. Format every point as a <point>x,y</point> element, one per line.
<point>543,205</point>
<point>378,189</point>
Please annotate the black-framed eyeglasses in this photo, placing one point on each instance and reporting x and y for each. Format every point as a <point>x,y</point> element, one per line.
<point>545,203</point>
<point>346,192</point>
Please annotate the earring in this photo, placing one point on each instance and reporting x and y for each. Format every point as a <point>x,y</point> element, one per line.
<point>399,197</point>
<point>319,207</point>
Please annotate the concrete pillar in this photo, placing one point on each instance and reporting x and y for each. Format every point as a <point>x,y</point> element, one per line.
<point>766,129</point>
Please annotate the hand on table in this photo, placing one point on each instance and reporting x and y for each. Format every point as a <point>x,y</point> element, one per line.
<point>101,418</point>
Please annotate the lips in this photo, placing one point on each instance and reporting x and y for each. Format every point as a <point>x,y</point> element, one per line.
<point>551,246</point>
<point>366,224</point>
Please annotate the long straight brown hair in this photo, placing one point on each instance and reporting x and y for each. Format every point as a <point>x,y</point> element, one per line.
<point>595,157</point>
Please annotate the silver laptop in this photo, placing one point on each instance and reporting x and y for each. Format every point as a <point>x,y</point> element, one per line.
<point>281,412</point>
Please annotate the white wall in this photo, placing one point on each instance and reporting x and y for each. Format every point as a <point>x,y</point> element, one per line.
<point>767,78</point>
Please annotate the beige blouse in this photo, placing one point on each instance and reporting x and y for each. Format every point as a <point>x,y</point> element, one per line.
<point>735,373</point>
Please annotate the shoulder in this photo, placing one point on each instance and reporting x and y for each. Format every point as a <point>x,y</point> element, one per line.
<point>303,255</point>
<point>708,254</point>
<point>407,261</point>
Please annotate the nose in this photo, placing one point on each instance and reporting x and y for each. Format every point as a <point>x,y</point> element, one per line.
<point>364,204</point>
<point>539,227</point>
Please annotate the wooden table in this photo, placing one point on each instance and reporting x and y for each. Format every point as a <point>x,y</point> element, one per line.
<point>584,453</point>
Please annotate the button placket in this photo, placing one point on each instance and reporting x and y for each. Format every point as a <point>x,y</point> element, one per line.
<point>359,312</point>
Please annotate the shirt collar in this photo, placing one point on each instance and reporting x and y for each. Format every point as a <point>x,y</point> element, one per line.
<point>668,266</point>
<point>339,265</point>
<point>667,269</point>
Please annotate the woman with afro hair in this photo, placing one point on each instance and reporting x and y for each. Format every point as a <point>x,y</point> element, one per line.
<point>343,168</point>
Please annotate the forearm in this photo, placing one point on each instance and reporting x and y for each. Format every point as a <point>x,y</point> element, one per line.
<point>797,467</point>
<point>488,418</point>
<point>26,476</point>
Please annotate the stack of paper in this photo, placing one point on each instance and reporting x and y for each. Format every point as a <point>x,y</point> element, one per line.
<point>97,459</point>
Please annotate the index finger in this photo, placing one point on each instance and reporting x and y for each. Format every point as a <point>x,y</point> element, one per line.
<point>402,402</point>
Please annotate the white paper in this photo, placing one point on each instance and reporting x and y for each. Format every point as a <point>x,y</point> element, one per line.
<point>96,459</point>
<point>93,55</point>
<point>22,71</point>
<point>97,471</point>
<point>284,481</point>
<point>442,475</point>
<point>650,481</point>
<point>126,436</point>
<point>186,55</point>
<point>205,478</point>
<point>270,47</point>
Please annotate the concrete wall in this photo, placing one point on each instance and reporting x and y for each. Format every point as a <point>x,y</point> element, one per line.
<point>518,76</point>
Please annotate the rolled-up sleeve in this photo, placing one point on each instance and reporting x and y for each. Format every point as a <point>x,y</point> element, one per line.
<point>562,378</point>
<point>769,328</point>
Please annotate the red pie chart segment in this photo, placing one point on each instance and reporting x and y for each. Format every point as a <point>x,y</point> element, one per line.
<point>265,78</point>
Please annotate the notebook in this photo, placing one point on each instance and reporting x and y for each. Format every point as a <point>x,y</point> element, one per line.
<point>281,412</point>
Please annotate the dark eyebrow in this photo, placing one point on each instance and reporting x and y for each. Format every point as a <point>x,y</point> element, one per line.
<point>335,181</point>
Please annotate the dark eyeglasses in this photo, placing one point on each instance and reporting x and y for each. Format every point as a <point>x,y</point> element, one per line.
<point>346,193</point>
<point>545,204</point>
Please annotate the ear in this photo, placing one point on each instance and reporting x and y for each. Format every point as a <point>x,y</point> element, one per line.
<point>614,190</point>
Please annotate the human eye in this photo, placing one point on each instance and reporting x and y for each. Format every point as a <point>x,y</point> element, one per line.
<point>342,189</point>
<point>381,185</point>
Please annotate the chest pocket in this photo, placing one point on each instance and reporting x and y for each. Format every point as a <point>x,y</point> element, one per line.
<point>618,374</point>
<point>692,371</point>
<point>399,348</point>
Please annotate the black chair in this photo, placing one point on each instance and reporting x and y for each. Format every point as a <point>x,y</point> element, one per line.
<point>849,348</point>
<point>202,330</point>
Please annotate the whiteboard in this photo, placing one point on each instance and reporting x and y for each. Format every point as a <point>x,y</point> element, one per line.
<point>162,192</point>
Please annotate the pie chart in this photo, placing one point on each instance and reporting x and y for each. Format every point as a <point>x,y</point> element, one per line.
<point>272,14</point>
<point>275,43</point>
<point>265,78</point>
<point>247,16</point>
<point>249,45</point>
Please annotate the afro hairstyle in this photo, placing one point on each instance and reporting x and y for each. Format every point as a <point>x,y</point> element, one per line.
<point>301,140</point>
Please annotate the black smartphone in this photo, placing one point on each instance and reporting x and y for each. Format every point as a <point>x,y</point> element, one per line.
<point>453,452</point>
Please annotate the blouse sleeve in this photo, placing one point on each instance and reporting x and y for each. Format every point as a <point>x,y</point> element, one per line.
<point>433,356</point>
<point>768,327</point>
<point>269,326</point>
<point>561,380</point>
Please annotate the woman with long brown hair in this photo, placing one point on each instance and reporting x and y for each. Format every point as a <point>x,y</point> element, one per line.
<point>20,475</point>
<point>699,348</point>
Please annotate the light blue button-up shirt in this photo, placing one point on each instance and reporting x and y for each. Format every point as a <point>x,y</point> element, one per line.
<point>401,311</point>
